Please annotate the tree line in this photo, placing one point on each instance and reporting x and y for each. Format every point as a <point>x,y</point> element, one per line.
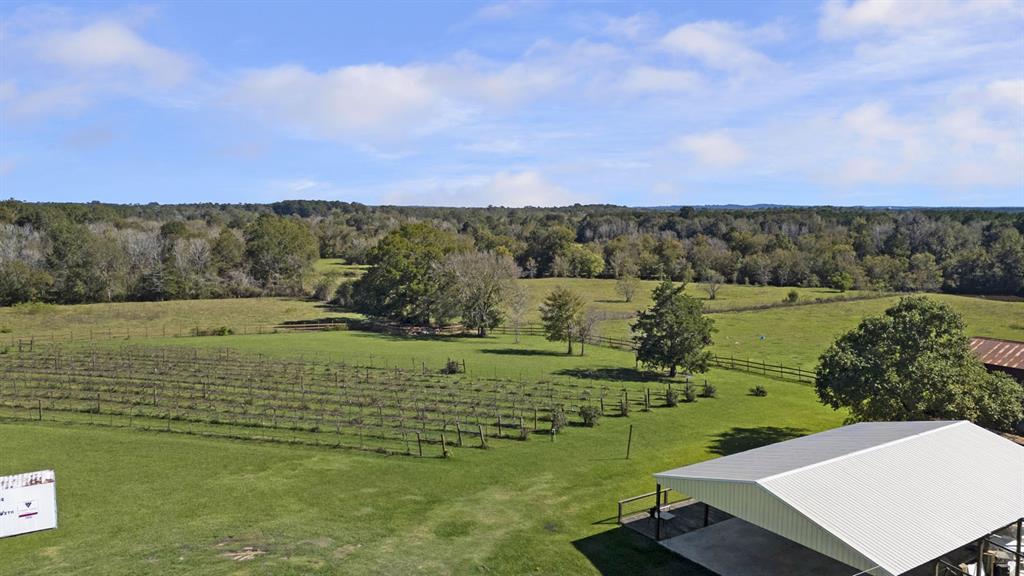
<point>103,252</point>
<point>72,263</point>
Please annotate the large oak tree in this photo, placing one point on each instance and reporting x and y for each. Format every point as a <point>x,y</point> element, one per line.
<point>673,333</point>
<point>913,363</point>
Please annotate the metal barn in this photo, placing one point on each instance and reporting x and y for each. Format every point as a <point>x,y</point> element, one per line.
<point>884,498</point>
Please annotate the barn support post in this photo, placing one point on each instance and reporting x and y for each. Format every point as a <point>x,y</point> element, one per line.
<point>981,551</point>
<point>657,513</point>
<point>1020,533</point>
<point>707,510</point>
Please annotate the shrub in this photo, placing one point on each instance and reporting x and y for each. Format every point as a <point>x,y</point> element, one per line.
<point>558,419</point>
<point>759,390</point>
<point>590,415</point>
<point>671,397</point>
<point>689,392</point>
<point>453,367</point>
<point>709,390</point>
<point>343,295</point>
<point>326,287</point>
<point>220,331</point>
<point>792,297</point>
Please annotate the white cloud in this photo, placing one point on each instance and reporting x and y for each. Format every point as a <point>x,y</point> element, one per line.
<point>635,27</point>
<point>717,44</point>
<point>505,86</point>
<point>874,122</point>
<point>644,79</point>
<point>713,149</point>
<point>349,101</point>
<point>112,47</point>
<point>60,68</point>
<point>507,9</point>
<point>63,99</point>
<point>374,103</point>
<point>841,19</point>
<point>510,189</point>
<point>969,128</point>
<point>1009,92</point>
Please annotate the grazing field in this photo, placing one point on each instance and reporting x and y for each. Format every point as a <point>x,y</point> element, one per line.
<point>180,317</point>
<point>601,293</point>
<point>140,319</point>
<point>136,502</point>
<point>796,336</point>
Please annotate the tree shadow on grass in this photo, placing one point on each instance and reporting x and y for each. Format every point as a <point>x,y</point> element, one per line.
<point>613,374</point>
<point>740,439</point>
<point>523,352</point>
<point>624,552</point>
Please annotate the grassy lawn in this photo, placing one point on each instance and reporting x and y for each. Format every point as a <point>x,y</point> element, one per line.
<point>797,336</point>
<point>600,292</point>
<point>149,503</point>
<point>154,317</point>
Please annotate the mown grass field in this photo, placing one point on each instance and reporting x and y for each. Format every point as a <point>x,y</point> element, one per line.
<point>149,319</point>
<point>797,335</point>
<point>150,503</point>
<point>153,318</point>
<point>601,294</point>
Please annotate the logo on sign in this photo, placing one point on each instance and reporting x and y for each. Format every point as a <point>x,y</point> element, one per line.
<point>28,509</point>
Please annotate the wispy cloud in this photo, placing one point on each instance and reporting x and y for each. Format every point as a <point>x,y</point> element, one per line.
<point>713,149</point>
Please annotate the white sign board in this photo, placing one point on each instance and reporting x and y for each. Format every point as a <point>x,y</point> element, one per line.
<point>28,503</point>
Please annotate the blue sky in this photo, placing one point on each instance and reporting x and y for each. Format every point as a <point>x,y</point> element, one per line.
<point>867,102</point>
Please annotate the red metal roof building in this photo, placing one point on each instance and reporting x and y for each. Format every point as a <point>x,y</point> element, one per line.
<point>1002,355</point>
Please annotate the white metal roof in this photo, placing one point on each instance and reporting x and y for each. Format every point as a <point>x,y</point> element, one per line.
<point>879,496</point>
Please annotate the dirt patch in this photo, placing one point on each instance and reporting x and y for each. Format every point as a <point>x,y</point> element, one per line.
<point>345,550</point>
<point>247,553</point>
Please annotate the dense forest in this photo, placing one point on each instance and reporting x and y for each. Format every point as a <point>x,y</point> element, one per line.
<point>74,253</point>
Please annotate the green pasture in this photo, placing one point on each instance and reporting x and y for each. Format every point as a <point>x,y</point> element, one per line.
<point>134,502</point>
<point>153,318</point>
<point>796,336</point>
<point>601,294</point>
<point>137,502</point>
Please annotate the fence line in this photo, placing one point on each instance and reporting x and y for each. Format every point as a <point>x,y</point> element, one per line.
<point>28,342</point>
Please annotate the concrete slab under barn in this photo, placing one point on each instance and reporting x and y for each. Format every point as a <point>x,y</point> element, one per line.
<point>734,547</point>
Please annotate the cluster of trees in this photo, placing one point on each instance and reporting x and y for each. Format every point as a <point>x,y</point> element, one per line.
<point>423,275</point>
<point>914,363</point>
<point>59,260</point>
<point>968,251</point>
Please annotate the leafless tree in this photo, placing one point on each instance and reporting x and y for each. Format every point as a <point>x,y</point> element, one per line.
<point>588,326</point>
<point>21,243</point>
<point>518,302</point>
<point>712,283</point>
<point>477,283</point>
<point>192,262</point>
